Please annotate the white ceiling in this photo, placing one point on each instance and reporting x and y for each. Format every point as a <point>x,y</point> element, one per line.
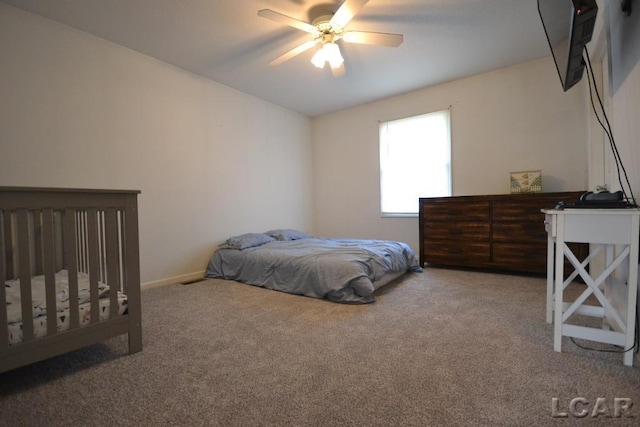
<point>226,41</point>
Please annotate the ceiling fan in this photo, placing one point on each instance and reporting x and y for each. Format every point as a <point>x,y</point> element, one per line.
<point>326,30</point>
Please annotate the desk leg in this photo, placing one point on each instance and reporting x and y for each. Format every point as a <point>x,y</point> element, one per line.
<point>632,293</point>
<point>609,255</point>
<point>550,278</point>
<point>559,276</point>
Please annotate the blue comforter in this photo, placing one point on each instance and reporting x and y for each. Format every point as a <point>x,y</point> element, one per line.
<point>341,270</point>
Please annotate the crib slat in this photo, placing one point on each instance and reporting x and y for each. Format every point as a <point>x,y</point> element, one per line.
<point>37,266</point>
<point>49,264</point>
<point>100,223</point>
<point>102,246</point>
<point>25,274</point>
<point>4,333</point>
<point>9,245</point>
<point>123,250</point>
<point>81,236</point>
<point>94,263</point>
<point>71,257</point>
<point>113,263</point>
<point>57,238</point>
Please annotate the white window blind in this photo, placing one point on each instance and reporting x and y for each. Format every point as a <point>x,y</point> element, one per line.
<point>415,161</point>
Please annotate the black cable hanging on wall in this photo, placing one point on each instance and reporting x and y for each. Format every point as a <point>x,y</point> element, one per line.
<point>608,131</point>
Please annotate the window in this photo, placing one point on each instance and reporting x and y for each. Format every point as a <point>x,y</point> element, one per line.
<point>415,161</point>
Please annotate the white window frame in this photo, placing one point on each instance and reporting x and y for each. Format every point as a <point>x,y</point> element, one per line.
<point>415,164</point>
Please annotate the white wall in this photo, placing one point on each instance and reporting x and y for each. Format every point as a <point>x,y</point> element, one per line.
<point>78,111</point>
<point>615,53</point>
<point>623,72</point>
<point>513,119</point>
<point>626,127</point>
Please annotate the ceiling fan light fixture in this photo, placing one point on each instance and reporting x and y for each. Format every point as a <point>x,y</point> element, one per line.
<point>318,58</point>
<point>329,52</point>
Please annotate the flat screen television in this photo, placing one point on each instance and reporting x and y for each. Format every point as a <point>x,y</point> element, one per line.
<point>569,26</point>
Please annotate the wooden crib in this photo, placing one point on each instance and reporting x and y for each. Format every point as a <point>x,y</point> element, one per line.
<point>73,249</point>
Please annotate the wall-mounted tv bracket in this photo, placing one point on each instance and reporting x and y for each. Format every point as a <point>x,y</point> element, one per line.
<point>626,6</point>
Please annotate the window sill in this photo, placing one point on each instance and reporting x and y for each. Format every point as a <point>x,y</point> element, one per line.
<point>399,215</point>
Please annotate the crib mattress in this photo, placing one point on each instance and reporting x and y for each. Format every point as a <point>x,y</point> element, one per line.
<point>14,309</point>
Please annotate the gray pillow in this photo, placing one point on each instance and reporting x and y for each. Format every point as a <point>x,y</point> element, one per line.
<point>287,234</point>
<point>245,241</point>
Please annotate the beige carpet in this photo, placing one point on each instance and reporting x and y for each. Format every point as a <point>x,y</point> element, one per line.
<point>444,347</point>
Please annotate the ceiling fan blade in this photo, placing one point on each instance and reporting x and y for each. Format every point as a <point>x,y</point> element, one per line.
<point>338,71</point>
<point>379,39</point>
<point>287,20</point>
<point>293,52</point>
<point>346,12</point>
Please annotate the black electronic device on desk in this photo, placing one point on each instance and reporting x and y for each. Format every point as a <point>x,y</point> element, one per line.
<point>601,200</point>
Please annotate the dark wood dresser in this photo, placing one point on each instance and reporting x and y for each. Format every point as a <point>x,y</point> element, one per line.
<point>499,232</point>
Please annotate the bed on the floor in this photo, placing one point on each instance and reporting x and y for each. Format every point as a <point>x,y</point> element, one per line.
<point>340,270</point>
<point>69,261</point>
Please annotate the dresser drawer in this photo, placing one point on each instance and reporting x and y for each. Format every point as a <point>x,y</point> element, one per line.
<point>456,211</point>
<point>450,252</point>
<point>522,211</point>
<point>457,231</point>
<point>526,257</point>
<point>519,232</point>
<point>531,257</point>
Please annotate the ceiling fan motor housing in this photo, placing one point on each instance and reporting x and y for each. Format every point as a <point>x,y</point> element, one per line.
<point>327,33</point>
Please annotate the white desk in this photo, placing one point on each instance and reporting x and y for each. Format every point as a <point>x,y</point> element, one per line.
<point>616,231</point>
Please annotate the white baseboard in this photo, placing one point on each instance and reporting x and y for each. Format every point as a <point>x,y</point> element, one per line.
<point>190,277</point>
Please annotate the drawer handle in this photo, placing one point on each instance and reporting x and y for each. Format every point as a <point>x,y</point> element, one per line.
<point>455,231</point>
<point>455,250</point>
